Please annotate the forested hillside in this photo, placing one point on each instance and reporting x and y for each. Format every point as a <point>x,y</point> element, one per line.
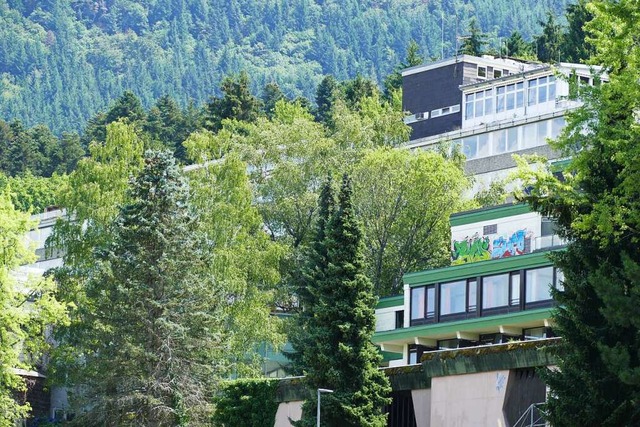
<point>63,61</point>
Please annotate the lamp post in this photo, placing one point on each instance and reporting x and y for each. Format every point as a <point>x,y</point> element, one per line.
<point>321,390</point>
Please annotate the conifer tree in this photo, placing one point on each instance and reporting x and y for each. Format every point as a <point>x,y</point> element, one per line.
<point>598,209</point>
<point>475,42</point>
<point>549,44</point>
<point>237,103</point>
<point>145,353</point>
<point>326,94</point>
<point>339,354</point>
<point>271,94</point>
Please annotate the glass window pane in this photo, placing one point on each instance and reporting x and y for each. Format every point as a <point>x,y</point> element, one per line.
<point>495,291</point>
<point>468,110</point>
<point>417,303</point>
<point>479,108</point>
<point>559,280</point>
<point>431,302</point>
<point>511,101</point>
<point>413,356</point>
<point>488,104</point>
<point>552,91</point>
<point>473,285</point>
<point>542,132</point>
<point>557,125</point>
<point>515,289</point>
<point>453,297</point>
<point>542,93</point>
<point>537,284</point>
<point>500,138</point>
<point>470,147</point>
<point>512,139</point>
<point>483,145</point>
<point>530,135</point>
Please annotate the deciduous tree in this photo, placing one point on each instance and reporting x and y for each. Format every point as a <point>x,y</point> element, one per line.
<point>27,308</point>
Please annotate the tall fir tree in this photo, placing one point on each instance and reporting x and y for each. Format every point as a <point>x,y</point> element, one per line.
<point>597,208</point>
<point>146,351</point>
<point>339,353</point>
<point>475,42</point>
<point>326,95</point>
<point>549,44</point>
<point>237,103</point>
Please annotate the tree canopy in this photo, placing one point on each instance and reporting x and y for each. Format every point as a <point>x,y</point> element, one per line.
<point>596,207</point>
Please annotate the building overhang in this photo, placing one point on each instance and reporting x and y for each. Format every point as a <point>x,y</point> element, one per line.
<point>393,340</point>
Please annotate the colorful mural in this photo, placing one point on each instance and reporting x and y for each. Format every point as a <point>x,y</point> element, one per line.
<point>471,249</point>
<point>513,246</point>
<point>480,248</point>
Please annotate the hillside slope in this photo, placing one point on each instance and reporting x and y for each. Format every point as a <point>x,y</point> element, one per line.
<point>62,61</point>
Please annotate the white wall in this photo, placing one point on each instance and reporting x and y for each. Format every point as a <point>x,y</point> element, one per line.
<point>509,239</point>
<point>386,318</point>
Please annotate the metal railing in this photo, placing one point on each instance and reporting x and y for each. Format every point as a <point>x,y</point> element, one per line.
<point>533,416</point>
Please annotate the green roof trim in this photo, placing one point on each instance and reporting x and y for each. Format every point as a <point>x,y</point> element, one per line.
<point>394,301</point>
<point>487,214</point>
<point>462,325</point>
<point>480,268</point>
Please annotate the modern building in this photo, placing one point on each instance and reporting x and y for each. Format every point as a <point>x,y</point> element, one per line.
<point>491,108</point>
<point>497,289</point>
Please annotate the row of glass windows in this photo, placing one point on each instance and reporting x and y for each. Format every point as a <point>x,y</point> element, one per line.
<point>432,302</point>
<point>510,97</point>
<point>511,139</point>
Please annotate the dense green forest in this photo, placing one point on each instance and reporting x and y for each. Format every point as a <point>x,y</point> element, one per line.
<point>63,61</point>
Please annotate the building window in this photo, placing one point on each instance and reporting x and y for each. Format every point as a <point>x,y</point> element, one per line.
<point>399,319</point>
<point>472,295</point>
<point>482,72</point>
<point>537,333</point>
<point>538,283</point>
<point>519,94</point>
<point>445,111</point>
<point>495,291</point>
<point>417,303</point>
<point>468,106</point>
<point>506,140</point>
<point>497,74</point>
<point>423,303</point>
<point>500,99</point>
<point>453,297</point>
<point>541,90</point>
<point>514,299</point>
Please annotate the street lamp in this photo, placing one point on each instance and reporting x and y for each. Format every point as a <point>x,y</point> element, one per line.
<point>321,390</point>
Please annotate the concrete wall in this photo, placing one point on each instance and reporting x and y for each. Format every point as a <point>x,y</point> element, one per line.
<point>287,412</point>
<point>422,406</point>
<point>469,400</point>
